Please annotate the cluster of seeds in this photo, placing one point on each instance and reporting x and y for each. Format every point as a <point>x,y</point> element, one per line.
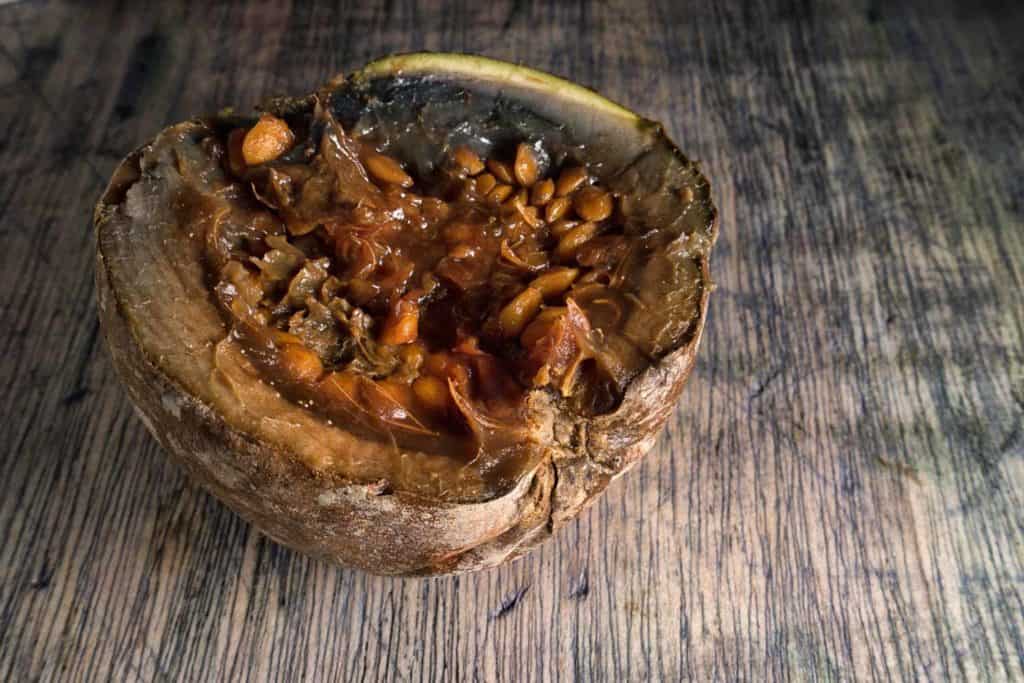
<point>494,248</point>
<point>566,212</point>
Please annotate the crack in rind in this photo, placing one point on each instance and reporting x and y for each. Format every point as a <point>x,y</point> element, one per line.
<point>550,524</point>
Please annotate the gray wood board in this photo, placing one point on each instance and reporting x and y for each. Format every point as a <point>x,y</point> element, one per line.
<point>838,496</point>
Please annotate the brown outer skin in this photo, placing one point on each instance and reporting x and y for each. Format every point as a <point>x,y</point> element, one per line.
<point>354,524</point>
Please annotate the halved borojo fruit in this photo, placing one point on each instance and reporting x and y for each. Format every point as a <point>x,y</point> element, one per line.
<point>416,321</point>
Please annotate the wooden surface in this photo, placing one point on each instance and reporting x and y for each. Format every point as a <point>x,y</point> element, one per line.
<point>839,495</point>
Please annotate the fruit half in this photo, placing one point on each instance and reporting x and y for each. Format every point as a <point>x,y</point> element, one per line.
<point>415,321</point>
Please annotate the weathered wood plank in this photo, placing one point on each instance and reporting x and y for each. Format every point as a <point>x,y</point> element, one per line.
<point>839,495</point>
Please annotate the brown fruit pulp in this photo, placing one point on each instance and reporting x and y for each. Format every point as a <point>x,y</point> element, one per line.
<point>425,309</point>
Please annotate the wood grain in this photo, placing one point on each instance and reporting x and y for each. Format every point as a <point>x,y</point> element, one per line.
<point>839,495</point>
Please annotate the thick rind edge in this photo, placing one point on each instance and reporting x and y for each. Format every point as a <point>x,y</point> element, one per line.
<point>479,68</point>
